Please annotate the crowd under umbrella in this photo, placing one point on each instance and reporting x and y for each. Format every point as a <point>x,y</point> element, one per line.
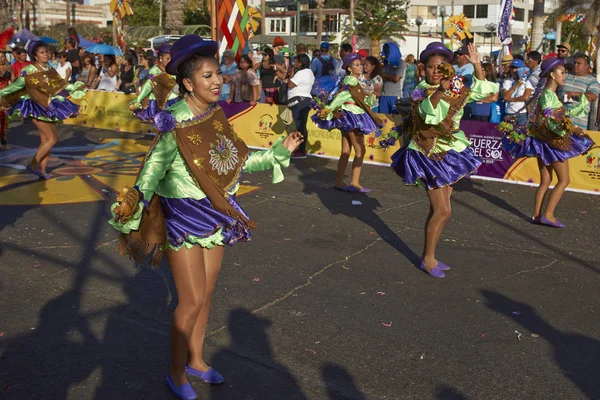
<point>105,49</point>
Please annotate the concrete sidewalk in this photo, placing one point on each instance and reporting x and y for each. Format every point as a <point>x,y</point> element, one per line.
<point>324,303</point>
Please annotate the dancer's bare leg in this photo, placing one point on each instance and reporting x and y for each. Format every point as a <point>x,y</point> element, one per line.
<point>358,143</point>
<point>562,173</point>
<point>343,161</point>
<point>213,259</point>
<point>540,193</point>
<point>439,214</point>
<point>189,273</point>
<point>48,138</point>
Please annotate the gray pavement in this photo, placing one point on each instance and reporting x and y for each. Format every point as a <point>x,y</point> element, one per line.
<point>324,303</point>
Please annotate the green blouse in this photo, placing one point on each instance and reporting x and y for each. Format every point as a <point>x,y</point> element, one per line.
<point>75,90</point>
<point>165,172</point>
<point>434,115</point>
<point>549,100</point>
<point>146,90</point>
<point>343,100</point>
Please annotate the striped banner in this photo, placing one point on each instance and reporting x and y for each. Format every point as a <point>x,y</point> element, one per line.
<point>232,26</point>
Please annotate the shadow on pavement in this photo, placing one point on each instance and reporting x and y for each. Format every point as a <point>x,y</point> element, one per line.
<point>248,364</point>
<point>473,186</point>
<point>340,384</point>
<point>576,355</point>
<point>445,392</point>
<point>320,180</point>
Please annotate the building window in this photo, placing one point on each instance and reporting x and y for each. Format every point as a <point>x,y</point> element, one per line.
<point>482,11</point>
<point>279,25</point>
<point>519,14</point>
<point>469,11</point>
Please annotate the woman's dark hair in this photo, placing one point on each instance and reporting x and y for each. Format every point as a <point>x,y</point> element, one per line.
<point>269,52</point>
<point>148,55</point>
<point>113,59</point>
<point>376,66</point>
<point>88,58</point>
<point>129,59</point>
<point>304,61</point>
<point>490,74</point>
<point>188,68</point>
<point>246,58</point>
<point>62,54</point>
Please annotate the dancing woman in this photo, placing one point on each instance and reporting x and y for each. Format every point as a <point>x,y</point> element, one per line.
<point>352,115</point>
<point>438,153</point>
<point>551,137</point>
<point>5,79</point>
<point>184,201</point>
<point>41,94</point>
<point>157,94</point>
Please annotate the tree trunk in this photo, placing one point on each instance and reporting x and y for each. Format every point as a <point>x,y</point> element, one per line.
<point>68,12</point>
<point>263,20</point>
<point>174,17</point>
<point>320,6</point>
<point>537,27</point>
<point>375,48</point>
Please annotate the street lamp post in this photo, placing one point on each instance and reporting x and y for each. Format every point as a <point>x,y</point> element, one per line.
<point>442,12</point>
<point>443,15</point>
<point>492,28</point>
<point>419,22</point>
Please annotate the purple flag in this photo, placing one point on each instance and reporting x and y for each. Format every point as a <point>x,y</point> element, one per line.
<point>504,22</point>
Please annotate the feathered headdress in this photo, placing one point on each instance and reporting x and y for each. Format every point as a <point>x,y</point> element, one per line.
<point>5,38</point>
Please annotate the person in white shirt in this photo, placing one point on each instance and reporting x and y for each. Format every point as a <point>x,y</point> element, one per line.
<point>64,67</point>
<point>516,90</point>
<point>300,99</point>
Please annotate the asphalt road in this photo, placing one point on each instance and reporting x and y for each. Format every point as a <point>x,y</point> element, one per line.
<point>324,303</point>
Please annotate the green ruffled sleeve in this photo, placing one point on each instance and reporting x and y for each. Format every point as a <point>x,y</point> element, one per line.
<point>276,158</point>
<point>17,85</point>
<point>146,90</point>
<point>155,169</point>
<point>482,89</point>
<point>581,109</point>
<point>157,165</point>
<point>132,225</point>
<point>431,115</point>
<point>76,90</point>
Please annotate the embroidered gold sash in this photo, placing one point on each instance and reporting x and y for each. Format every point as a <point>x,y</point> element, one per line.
<point>162,86</point>
<point>424,135</point>
<point>43,85</point>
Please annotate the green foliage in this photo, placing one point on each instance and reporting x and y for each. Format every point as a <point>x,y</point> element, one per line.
<point>376,19</point>
<point>145,13</point>
<point>577,34</point>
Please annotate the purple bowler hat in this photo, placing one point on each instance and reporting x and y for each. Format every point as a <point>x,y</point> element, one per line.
<point>436,48</point>
<point>348,58</point>
<point>33,47</point>
<point>188,46</point>
<point>164,48</point>
<point>549,64</point>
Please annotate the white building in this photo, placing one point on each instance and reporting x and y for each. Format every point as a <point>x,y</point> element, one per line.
<point>47,13</point>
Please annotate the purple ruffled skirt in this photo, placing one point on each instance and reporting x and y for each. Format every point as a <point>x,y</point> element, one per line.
<point>534,147</point>
<point>362,123</point>
<point>416,169</point>
<point>59,110</point>
<point>189,217</point>
<point>147,114</point>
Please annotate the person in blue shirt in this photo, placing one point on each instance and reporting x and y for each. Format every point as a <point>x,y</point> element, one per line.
<point>463,67</point>
<point>228,68</point>
<point>323,64</point>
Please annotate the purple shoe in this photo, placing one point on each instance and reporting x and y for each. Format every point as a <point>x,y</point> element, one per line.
<point>436,272</point>
<point>547,222</point>
<point>183,392</point>
<point>38,173</point>
<point>535,221</point>
<point>443,266</point>
<point>354,189</point>
<point>211,376</point>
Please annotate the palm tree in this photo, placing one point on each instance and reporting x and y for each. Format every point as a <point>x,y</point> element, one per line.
<point>537,26</point>
<point>263,11</point>
<point>174,17</point>
<point>377,19</point>
<point>320,6</point>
